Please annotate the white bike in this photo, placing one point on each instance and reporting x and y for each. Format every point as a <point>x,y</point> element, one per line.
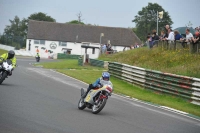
<point>96,99</point>
<point>5,69</point>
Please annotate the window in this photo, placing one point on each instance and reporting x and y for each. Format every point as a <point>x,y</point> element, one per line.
<point>42,42</point>
<point>36,41</point>
<point>93,51</point>
<point>62,43</point>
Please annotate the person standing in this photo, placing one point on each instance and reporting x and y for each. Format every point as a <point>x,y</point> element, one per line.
<point>167,27</point>
<point>189,38</point>
<point>170,38</point>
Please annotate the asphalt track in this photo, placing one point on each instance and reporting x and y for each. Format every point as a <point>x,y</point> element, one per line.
<point>37,100</point>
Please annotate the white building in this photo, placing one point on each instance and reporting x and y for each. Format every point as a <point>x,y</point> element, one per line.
<point>50,38</point>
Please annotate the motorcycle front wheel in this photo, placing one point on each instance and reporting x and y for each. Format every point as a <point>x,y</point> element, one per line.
<point>2,77</point>
<point>81,104</point>
<point>97,108</point>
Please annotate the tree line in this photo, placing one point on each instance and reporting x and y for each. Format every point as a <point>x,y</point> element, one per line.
<point>15,33</point>
<point>146,20</point>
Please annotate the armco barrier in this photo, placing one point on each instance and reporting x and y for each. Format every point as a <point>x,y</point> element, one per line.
<point>80,61</point>
<point>67,56</point>
<point>182,86</point>
<point>98,63</point>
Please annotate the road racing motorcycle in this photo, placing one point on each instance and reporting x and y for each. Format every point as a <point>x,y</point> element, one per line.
<point>96,98</point>
<point>5,69</point>
<point>37,59</point>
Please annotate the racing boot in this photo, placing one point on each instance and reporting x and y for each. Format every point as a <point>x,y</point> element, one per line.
<point>89,88</point>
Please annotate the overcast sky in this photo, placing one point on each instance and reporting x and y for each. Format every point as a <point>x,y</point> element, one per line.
<point>113,13</point>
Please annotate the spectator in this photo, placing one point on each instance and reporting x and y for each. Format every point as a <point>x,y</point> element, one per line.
<point>162,35</point>
<point>104,49</point>
<point>109,49</point>
<point>155,38</point>
<point>170,38</point>
<point>136,45</point>
<point>149,42</point>
<point>177,35</point>
<point>196,39</point>
<point>189,38</point>
<point>132,47</point>
<point>166,30</point>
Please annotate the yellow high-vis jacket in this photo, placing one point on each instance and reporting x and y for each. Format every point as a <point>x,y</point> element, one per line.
<point>5,56</point>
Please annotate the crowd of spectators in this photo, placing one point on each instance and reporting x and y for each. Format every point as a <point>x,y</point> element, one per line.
<point>172,36</point>
<point>106,48</point>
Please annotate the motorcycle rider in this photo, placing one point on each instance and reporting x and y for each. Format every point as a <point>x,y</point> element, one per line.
<point>105,79</point>
<point>10,55</point>
<point>37,56</point>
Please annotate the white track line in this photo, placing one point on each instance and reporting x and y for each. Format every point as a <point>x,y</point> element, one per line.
<point>139,101</point>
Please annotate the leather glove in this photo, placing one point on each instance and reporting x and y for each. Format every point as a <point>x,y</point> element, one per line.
<point>98,86</point>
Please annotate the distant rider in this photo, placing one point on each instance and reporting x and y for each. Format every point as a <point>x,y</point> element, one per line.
<point>105,79</point>
<point>37,55</point>
<point>10,55</point>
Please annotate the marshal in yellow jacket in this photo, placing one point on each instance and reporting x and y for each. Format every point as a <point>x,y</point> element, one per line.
<point>5,56</point>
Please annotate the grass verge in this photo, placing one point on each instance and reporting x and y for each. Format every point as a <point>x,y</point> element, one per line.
<point>2,51</point>
<point>66,64</point>
<point>179,62</point>
<point>89,74</point>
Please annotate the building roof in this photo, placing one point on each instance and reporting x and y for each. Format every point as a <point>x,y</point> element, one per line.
<point>53,31</point>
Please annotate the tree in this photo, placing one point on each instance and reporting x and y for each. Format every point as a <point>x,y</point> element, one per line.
<point>146,20</point>
<point>79,15</point>
<point>75,22</point>
<point>15,34</point>
<point>79,21</point>
<point>41,17</point>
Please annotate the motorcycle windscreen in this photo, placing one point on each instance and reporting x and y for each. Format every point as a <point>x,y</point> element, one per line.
<point>9,61</point>
<point>103,82</point>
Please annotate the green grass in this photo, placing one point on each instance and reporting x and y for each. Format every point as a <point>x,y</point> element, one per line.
<point>66,64</point>
<point>177,62</point>
<point>2,51</point>
<point>89,74</point>
<point>121,87</point>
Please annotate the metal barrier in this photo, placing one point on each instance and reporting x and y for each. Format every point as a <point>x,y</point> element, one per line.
<point>67,56</point>
<point>175,45</point>
<point>181,86</point>
<point>80,61</point>
<point>98,63</point>
<point>94,62</point>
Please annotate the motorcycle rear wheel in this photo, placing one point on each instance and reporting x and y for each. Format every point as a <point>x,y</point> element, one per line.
<point>3,76</point>
<point>81,104</point>
<point>97,108</point>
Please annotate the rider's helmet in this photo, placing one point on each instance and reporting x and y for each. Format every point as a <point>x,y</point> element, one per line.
<point>11,54</point>
<point>106,76</point>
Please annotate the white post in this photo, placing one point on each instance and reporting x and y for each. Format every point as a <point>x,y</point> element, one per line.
<point>157,22</point>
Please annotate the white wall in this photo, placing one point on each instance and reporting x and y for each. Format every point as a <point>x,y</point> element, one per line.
<point>76,48</point>
<point>120,48</point>
<point>6,47</point>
